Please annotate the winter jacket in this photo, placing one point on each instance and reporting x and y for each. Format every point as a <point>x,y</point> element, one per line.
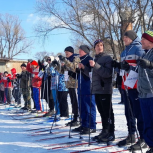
<point>102,74</point>
<point>7,84</point>
<point>25,80</point>
<point>36,80</point>
<point>143,84</point>
<point>71,64</point>
<point>131,53</point>
<point>85,80</point>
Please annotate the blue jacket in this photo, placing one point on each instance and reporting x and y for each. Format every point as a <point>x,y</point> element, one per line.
<point>85,80</point>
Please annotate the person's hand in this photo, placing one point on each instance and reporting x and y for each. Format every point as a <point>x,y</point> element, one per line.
<point>61,57</point>
<point>8,79</point>
<point>125,65</point>
<point>18,75</point>
<point>144,63</point>
<point>116,64</point>
<point>92,63</point>
<point>81,66</point>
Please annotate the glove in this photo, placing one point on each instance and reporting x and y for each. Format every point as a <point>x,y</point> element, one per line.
<point>55,63</point>
<point>125,66</point>
<point>62,58</point>
<point>116,64</point>
<point>18,75</point>
<point>144,63</point>
<point>8,79</point>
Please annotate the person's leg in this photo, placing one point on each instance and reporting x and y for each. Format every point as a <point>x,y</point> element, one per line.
<point>74,102</point>
<point>147,113</point>
<point>62,98</point>
<point>56,103</point>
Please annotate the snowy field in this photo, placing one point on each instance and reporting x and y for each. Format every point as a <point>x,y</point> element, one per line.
<point>15,137</point>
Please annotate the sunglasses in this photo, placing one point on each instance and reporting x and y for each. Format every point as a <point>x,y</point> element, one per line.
<point>48,59</point>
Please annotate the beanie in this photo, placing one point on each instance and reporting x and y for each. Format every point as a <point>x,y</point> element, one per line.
<point>23,64</point>
<point>98,41</point>
<point>5,72</point>
<point>148,35</point>
<point>85,48</point>
<point>131,34</point>
<point>34,63</point>
<point>69,49</point>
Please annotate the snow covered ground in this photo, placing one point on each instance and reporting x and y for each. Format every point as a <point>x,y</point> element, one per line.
<point>14,137</point>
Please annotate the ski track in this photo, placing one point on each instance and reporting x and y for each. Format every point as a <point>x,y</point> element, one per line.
<point>15,137</point>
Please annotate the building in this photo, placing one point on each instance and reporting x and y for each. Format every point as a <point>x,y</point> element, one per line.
<point>8,64</point>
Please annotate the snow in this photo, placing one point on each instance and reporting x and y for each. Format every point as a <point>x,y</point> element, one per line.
<point>14,137</point>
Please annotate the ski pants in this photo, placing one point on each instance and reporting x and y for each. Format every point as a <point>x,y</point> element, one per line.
<point>17,95</point>
<point>36,98</point>
<point>26,97</point>
<point>104,106</point>
<point>147,113</point>
<point>133,106</point>
<point>63,104</point>
<point>88,119</point>
<point>8,94</point>
<point>74,101</point>
<point>56,103</point>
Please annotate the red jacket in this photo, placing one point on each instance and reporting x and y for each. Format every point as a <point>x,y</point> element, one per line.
<point>5,81</point>
<point>36,80</point>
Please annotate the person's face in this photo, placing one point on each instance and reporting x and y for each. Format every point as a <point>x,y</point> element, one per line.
<point>99,48</point>
<point>48,60</point>
<point>23,68</point>
<point>81,52</point>
<point>127,41</point>
<point>33,66</point>
<point>5,74</point>
<point>146,44</point>
<point>68,54</point>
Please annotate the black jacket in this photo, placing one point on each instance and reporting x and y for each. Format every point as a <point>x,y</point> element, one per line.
<point>102,74</point>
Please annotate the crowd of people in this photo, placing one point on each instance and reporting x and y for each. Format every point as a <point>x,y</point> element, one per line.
<point>89,83</point>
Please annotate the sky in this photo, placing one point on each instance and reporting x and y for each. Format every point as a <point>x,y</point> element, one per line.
<point>25,10</point>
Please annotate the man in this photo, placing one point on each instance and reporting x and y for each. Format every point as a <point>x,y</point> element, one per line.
<point>46,87</point>
<point>132,52</point>
<point>145,84</point>
<point>102,88</point>
<point>86,100</point>
<point>33,68</point>
<point>25,86</point>
<point>71,84</point>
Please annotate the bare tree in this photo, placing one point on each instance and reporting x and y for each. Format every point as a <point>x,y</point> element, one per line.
<point>42,55</point>
<point>93,19</point>
<point>12,37</point>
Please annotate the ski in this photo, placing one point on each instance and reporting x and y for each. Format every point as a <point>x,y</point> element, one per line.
<point>73,145</point>
<point>49,129</point>
<point>119,151</point>
<point>59,137</point>
<point>64,143</point>
<point>93,149</point>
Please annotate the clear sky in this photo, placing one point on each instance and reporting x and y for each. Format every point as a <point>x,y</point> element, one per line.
<point>25,10</point>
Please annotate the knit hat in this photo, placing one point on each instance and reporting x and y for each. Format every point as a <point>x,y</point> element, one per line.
<point>34,63</point>
<point>13,71</point>
<point>97,41</point>
<point>148,35</point>
<point>5,72</point>
<point>85,48</point>
<point>69,49</point>
<point>131,34</point>
<point>23,64</point>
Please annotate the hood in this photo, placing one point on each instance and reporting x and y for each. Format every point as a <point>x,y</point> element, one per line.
<point>13,71</point>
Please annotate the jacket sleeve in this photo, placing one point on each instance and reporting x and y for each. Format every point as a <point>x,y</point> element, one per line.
<point>71,66</point>
<point>104,70</point>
